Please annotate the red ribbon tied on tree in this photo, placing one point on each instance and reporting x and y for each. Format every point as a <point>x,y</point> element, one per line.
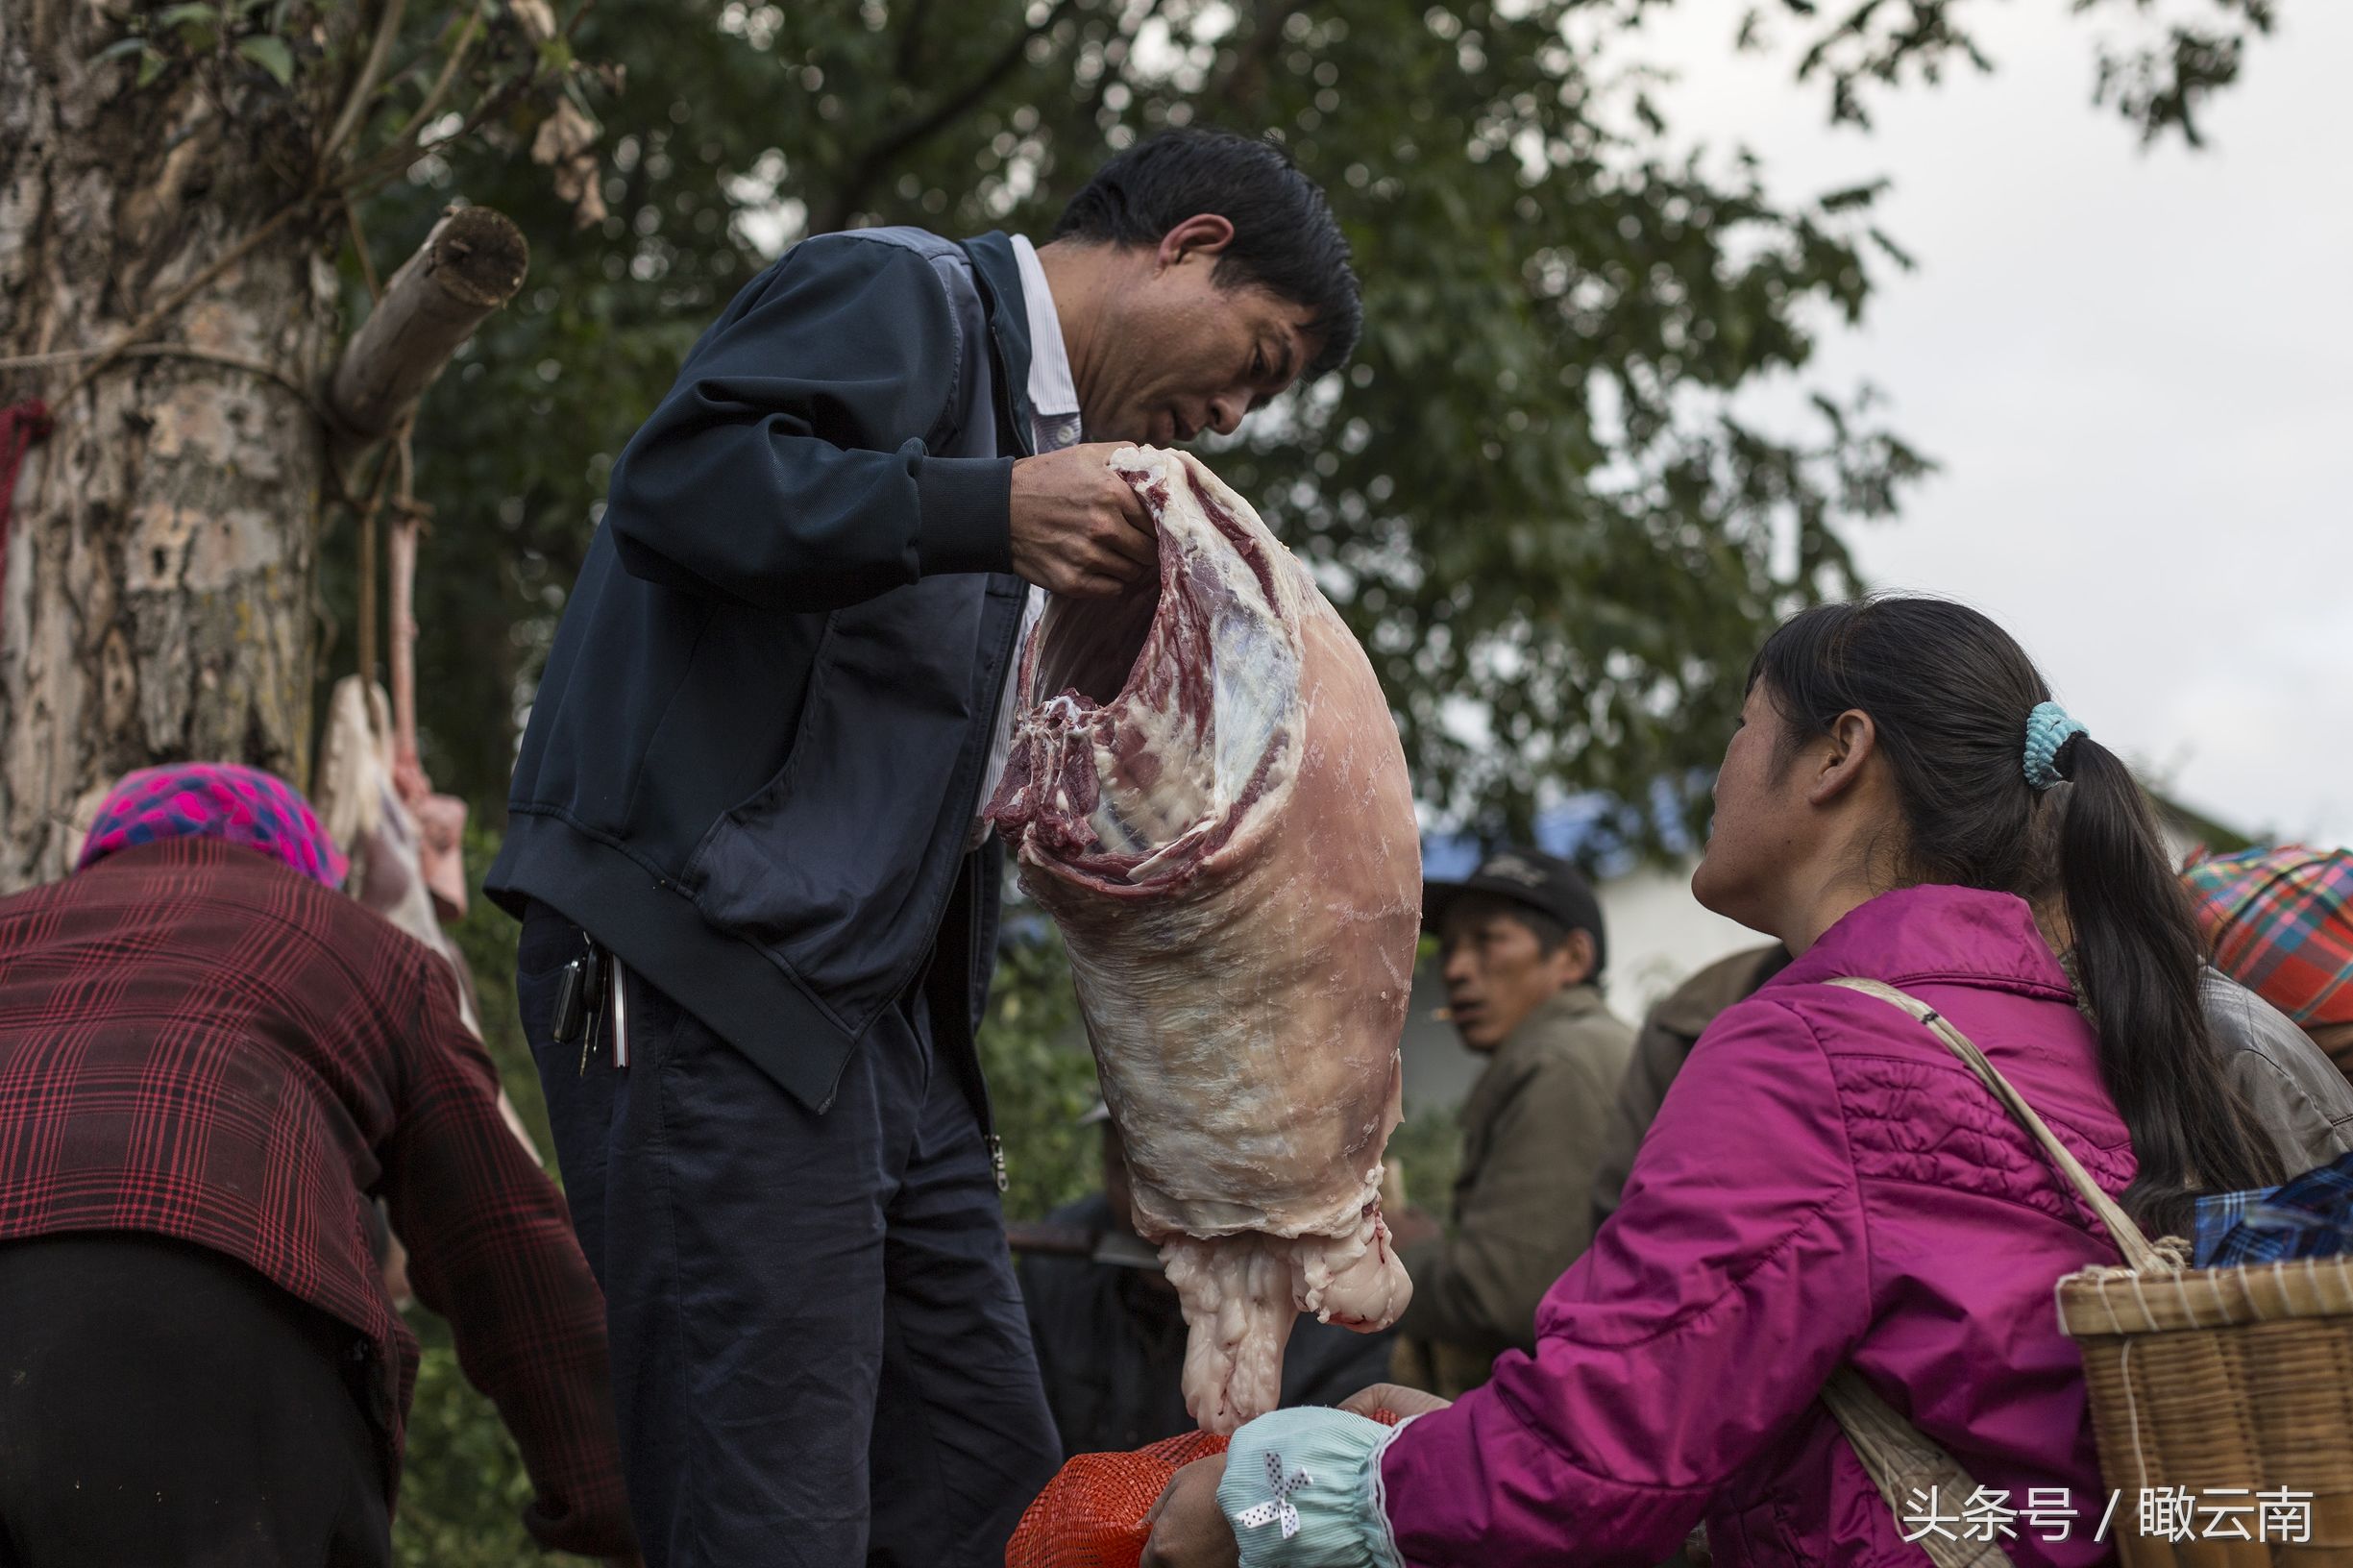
<point>21,424</point>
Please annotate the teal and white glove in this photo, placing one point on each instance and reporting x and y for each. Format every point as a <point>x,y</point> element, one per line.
<point>1302,1489</point>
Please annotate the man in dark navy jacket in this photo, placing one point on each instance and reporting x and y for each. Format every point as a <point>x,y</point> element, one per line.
<point>759,905</point>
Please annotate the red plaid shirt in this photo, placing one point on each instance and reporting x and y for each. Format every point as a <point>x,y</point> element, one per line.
<point>197,1042</point>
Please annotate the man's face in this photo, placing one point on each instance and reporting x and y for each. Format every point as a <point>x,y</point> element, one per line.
<point>1180,355</point>
<point>1496,971</point>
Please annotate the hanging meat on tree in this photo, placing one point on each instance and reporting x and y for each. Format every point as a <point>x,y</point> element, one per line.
<point>373,798</point>
<point>1207,793</point>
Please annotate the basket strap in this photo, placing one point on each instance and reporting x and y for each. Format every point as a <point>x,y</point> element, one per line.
<point>2138,1252</point>
<point>1903,1462</point>
<point>1899,1459</point>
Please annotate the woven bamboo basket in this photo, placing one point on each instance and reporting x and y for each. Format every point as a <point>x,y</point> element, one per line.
<point>2225,1391</point>
<point>2228,1384</point>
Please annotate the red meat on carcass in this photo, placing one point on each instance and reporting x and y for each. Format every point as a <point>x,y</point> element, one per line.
<point>1207,792</point>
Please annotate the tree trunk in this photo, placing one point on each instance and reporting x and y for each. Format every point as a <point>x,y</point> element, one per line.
<point>159,602</point>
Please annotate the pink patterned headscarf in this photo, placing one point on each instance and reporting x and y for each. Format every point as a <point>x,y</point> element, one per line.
<point>214,800</point>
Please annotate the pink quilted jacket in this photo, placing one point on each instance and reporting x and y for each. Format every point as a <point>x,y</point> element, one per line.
<point>1825,1183</point>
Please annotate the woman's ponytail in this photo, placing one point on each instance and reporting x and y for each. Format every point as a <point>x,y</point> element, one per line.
<point>2137,960</point>
<point>2001,790</point>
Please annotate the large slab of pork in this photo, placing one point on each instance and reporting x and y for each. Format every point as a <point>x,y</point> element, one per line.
<point>1207,792</point>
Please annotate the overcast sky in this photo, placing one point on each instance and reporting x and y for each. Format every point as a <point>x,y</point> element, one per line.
<point>2133,366</point>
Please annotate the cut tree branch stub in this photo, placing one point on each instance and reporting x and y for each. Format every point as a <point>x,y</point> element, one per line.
<point>472,264</point>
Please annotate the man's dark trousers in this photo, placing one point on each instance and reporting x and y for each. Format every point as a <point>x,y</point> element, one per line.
<point>819,1355</point>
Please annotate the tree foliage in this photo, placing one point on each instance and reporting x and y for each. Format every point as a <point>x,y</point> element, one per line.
<point>1529,495</point>
<point>2170,63</point>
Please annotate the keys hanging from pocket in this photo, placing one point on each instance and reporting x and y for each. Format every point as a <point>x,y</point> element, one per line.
<point>588,1041</point>
<point>580,999</point>
<point>619,979</point>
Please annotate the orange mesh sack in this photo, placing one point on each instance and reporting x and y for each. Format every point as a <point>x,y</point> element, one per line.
<point>1092,1514</point>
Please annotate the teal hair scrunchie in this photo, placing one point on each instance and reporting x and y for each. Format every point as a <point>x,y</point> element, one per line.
<point>2049,728</point>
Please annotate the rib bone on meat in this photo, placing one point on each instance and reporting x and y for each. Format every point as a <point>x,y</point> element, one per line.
<point>1207,793</point>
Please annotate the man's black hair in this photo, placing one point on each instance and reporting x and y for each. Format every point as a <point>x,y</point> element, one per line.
<point>1285,237</point>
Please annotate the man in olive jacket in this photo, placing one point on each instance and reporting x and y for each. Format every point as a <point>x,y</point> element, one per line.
<point>1522,947</point>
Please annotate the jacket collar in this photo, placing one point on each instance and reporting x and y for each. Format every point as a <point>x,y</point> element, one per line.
<point>1526,1047</point>
<point>999,274</point>
<point>1568,1002</point>
<point>1936,935</point>
<point>1562,1008</point>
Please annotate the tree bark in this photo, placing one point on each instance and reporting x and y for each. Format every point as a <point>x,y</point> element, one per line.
<point>160,563</point>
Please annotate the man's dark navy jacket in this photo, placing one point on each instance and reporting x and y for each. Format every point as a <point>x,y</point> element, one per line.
<point>751,768</point>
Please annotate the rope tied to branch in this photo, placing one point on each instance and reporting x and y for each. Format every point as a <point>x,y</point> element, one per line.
<point>21,424</point>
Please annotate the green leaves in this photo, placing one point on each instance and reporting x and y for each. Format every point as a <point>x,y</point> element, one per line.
<point>272,55</point>
<point>192,31</point>
<point>151,62</point>
<point>196,24</point>
<point>463,1488</point>
<point>2159,74</point>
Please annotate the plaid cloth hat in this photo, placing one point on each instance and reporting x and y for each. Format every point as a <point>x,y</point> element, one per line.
<point>214,800</point>
<point>2281,922</point>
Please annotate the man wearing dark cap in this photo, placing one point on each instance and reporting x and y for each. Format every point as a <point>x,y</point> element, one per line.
<point>1522,947</point>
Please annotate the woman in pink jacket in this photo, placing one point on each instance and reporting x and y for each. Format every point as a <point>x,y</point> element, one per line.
<point>1826,1186</point>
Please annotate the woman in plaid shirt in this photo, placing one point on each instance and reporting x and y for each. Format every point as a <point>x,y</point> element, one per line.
<point>211,1062</point>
